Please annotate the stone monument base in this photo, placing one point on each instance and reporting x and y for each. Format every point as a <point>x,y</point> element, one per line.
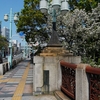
<point>47,76</point>
<point>55,51</point>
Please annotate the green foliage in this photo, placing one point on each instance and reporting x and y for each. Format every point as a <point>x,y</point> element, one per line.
<point>88,5</point>
<point>88,60</point>
<point>3,42</point>
<point>98,61</point>
<point>91,62</point>
<point>32,21</point>
<point>82,34</point>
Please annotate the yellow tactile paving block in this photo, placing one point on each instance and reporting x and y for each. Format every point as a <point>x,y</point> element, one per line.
<point>17,98</point>
<point>10,80</point>
<point>4,80</point>
<point>20,88</point>
<point>1,76</point>
<point>14,80</point>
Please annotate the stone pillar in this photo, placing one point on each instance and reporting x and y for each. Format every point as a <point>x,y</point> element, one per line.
<point>59,76</point>
<point>46,63</point>
<point>50,63</point>
<point>1,69</point>
<point>37,74</point>
<point>76,59</point>
<point>71,59</point>
<point>82,84</point>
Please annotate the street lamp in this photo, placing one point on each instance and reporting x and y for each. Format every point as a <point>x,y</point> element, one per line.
<point>3,50</point>
<point>6,17</point>
<point>54,8</point>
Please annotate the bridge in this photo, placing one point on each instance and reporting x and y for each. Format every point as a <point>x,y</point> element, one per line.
<point>51,77</point>
<point>56,74</point>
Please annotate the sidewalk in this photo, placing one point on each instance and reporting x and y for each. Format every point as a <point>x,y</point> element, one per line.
<point>17,84</point>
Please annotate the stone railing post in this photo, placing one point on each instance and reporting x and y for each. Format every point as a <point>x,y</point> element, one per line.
<point>37,75</point>
<point>82,84</point>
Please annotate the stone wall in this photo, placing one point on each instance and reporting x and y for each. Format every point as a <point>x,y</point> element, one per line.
<point>51,64</point>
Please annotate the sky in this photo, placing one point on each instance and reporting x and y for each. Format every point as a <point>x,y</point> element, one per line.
<point>5,6</point>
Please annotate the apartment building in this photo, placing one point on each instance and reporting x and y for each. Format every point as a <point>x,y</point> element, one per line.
<point>5,32</point>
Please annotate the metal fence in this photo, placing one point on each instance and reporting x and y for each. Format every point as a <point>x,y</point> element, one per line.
<point>94,82</point>
<point>69,80</point>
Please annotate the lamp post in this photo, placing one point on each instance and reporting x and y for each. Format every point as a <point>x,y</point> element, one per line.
<point>6,17</point>
<point>3,49</point>
<point>54,8</point>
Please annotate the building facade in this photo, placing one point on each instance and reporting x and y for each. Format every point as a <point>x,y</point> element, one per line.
<point>5,32</point>
<point>16,47</point>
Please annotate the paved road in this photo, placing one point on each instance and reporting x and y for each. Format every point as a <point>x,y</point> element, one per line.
<point>17,84</point>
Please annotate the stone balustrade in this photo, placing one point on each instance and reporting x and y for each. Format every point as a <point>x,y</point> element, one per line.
<point>4,67</point>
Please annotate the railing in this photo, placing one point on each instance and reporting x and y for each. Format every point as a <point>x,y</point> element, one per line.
<point>4,67</point>
<point>68,78</point>
<point>94,82</point>
<point>80,81</point>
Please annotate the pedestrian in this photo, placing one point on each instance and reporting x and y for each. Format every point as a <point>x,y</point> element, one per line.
<point>31,55</point>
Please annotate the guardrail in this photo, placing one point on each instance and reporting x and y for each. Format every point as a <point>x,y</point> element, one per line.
<point>81,81</point>
<point>4,67</point>
<point>68,78</point>
<point>94,82</point>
